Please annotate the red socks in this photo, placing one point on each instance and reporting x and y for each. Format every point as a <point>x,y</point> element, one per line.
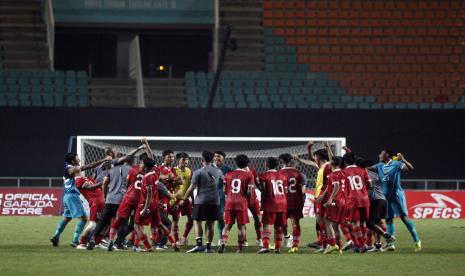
<point>278,238</point>
<point>266,238</point>
<point>295,236</point>
<point>346,231</point>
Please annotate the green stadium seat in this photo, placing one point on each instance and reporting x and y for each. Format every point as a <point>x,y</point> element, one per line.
<point>81,74</point>
<point>375,105</point>
<point>295,91</point>
<point>268,31</point>
<point>230,105</point>
<point>448,106</point>
<point>275,98</point>
<point>388,106</point>
<point>12,99</point>
<point>290,105</point>
<point>303,105</point>
<point>272,91</point>
<point>323,99</point>
<point>3,101</point>
<point>436,106</point>
<point>460,105</point>
<point>265,105</point>
<point>315,105</point>
<point>412,106</point>
<point>328,105</point>
<point>83,101</point>
<point>311,98</point>
<point>400,105</point>
<point>352,105</point>
<point>364,105</point>
<point>254,105</point>
<point>370,99</point>
<point>339,105</point>
<point>278,104</point>
<point>283,90</point>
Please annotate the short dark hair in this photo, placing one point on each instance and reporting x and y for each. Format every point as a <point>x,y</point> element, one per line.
<point>70,157</point>
<point>349,158</point>
<point>143,156</point>
<point>220,152</point>
<point>182,155</point>
<point>108,150</point>
<point>207,156</point>
<point>149,163</point>
<point>336,161</point>
<point>166,152</point>
<point>389,152</point>
<point>322,154</point>
<point>286,158</point>
<point>242,160</point>
<point>130,159</point>
<point>272,163</point>
<point>363,163</point>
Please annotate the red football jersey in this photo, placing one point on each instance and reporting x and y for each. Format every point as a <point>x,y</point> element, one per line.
<point>89,195</point>
<point>237,184</point>
<point>253,194</point>
<point>164,170</point>
<point>295,196</point>
<point>356,190</point>
<point>327,170</point>
<point>337,176</point>
<point>135,178</point>
<point>150,179</point>
<point>274,196</point>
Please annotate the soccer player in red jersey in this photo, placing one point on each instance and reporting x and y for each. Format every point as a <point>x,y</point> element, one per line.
<point>254,207</point>
<point>239,184</point>
<point>128,205</point>
<point>273,186</point>
<point>335,205</point>
<point>295,197</point>
<point>147,211</point>
<point>93,193</point>
<point>170,179</point>
<point>319,160</point>
<point>358,203</point>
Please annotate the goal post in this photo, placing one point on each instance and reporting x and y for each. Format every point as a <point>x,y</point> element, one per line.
<point>91,148</point>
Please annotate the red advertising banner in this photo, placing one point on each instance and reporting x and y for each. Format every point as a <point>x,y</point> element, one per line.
<point>30,201</point>
<point>435,204</point>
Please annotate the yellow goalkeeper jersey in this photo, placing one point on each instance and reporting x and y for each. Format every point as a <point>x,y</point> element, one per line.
<point>186,176</point>
<point>320,178</point>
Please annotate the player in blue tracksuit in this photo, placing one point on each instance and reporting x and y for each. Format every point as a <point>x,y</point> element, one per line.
<point>389,171</point>
<point>219,163</point>
<point>73,207</point>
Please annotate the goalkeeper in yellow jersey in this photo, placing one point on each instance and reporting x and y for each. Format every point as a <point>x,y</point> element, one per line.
<point>185,173</point>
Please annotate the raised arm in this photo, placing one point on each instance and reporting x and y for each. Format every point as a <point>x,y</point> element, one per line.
<point>306,162</point>
<point>147,148</point>
<point>330,151</point>
<point>94,164</point>
<point>131,153</point>
<point>407,165</point>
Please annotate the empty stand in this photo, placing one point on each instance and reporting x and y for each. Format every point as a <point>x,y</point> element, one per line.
<point>23,35</point>
<point>43,88</point>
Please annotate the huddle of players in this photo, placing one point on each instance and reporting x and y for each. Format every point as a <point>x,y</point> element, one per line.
<point>342,202</point>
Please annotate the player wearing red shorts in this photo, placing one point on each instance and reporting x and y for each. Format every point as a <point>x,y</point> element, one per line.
<point>358,203</point>
<point>93,193</point>
<point>185,174</point>
<point>128,205</point>
<point>295,199</point>
<point>273,186</point>
<point>239,184</point>
<point>319,160</point>
<point>254,208</point>
<point>170,179</point>
<point>147,210</point>
<point>335,213</point>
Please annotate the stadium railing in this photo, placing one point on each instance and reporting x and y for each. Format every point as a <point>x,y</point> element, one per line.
<point>409,184</point>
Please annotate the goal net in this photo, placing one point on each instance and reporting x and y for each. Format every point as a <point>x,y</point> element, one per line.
<point>91,148</point>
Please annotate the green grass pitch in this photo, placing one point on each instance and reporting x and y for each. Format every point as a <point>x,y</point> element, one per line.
<point>25,250</point>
